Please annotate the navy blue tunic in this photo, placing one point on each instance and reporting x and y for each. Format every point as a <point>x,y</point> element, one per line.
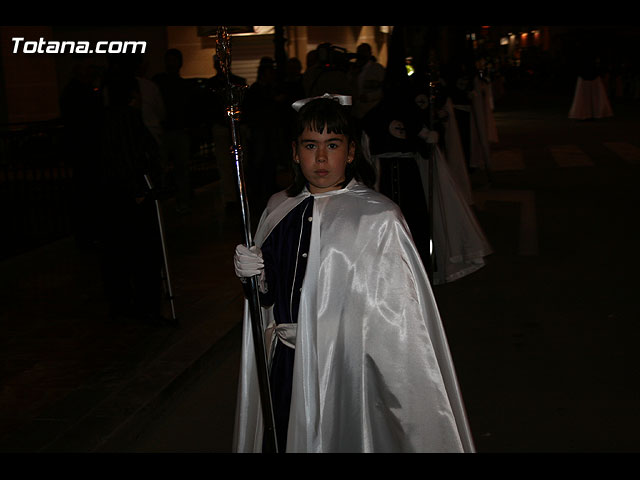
<point>285,259</point>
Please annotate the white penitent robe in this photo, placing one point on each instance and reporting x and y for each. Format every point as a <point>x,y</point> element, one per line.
<point>590,100</point>
<point>455,154</point>
<point>373,371</point>
<point>483,126</point>
<point>459,242</point>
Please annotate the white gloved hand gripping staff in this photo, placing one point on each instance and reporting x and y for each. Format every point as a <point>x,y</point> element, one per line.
<point>248,262</point>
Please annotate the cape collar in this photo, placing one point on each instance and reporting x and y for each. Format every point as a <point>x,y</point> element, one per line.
<point>350,186</point>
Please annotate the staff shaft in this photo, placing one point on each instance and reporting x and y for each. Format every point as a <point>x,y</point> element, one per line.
<point>251,286</point>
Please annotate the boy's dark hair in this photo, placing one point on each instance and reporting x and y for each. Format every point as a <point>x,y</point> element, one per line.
<point>326,113</point>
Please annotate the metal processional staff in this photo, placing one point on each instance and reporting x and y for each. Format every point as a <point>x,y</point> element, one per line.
<point>234,99</point>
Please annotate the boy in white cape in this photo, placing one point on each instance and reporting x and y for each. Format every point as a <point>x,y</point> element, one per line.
<point>358,356</point>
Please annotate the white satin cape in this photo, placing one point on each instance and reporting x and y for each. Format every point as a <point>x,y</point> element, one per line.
<point>373,371</point>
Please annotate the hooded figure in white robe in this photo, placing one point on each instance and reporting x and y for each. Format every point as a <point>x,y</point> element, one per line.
<point>590,99</point>
<point>400,135</point>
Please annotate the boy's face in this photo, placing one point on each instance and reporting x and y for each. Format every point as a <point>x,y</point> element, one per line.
<point>323,158</point>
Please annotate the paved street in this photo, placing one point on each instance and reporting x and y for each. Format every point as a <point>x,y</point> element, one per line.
<point>543,337</point>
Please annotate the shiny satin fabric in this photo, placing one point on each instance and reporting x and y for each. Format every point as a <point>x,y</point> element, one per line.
<point>284,332</point>
<point>460,244</point>
<point>373,371</point>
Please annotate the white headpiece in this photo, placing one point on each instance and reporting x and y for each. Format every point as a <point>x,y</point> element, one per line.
<point>342,99</point>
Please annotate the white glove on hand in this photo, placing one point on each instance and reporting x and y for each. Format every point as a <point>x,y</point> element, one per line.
<point>248,262</point>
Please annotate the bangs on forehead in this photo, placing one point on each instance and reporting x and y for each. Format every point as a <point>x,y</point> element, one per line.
<point>323,114</point>
<point>330,125</point>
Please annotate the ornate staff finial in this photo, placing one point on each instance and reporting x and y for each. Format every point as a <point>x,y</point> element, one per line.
<point>223,49</point>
